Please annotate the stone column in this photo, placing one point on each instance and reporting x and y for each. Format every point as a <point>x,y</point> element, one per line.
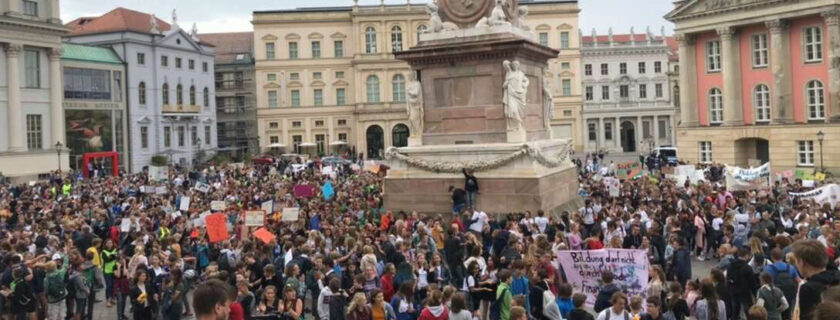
<point>832,41</point>
<point>55,10</point>
<point>17,143</point>
<point>688,90</point>
<point>15,8</point>
<point>56,90</point>
<point>638,133</point>
<point>731,67</point>
<point>617,135</point>
<point>780,100</point>
<point>655,134</point>
<point>602,141</point>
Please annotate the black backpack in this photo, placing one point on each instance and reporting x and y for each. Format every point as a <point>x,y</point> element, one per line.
<point>784,281</point>
<point>496,306</point>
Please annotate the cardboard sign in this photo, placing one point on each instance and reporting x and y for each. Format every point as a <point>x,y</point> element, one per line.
<point>304,191</point>
<point>264,235</point>
<point>217,227</point>
<point>147,189</point>
<point>291,214</point>
<point>158,173</point>
<point>613,186</point>
<point>218,205</point>
<point>161,190</point>
<point>268,206</point>
<point>203,187</point>
<point>200,220</point>
<point>185,204</point>
<point>630,170</point>
<point>254,218</point>
<point>583,270</point>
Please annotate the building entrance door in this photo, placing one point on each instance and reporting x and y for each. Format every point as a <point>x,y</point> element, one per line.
<point>628,137</point>
<point>375,142</point>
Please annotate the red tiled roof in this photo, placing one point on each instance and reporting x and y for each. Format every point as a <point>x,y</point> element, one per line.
<point>119,19</point>
<point>674,47</point>
<point>229,44</point>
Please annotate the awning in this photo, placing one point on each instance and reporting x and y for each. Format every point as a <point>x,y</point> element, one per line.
<point>306,144</point>
<point>338,143</point>
<point>276,145</point>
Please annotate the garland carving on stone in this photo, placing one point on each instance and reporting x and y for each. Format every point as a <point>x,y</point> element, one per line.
<point>482,165</point>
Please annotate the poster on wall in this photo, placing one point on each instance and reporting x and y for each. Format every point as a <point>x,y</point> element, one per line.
<point>88,131</point>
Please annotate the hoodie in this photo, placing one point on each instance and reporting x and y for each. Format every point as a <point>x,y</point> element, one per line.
<point>579,314</point>
<point>603,300</point>
<point>434,313</point>
<point>810,292</point>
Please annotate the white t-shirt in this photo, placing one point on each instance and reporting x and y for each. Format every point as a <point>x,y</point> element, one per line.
<point>613,315</point>
<point>716,222</point>
<point>469,282</point>
<point>588,215</point>
<point>478,225</point>
<point>541,222</point>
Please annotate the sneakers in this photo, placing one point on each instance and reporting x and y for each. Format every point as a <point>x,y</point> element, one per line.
<point>700,258</point>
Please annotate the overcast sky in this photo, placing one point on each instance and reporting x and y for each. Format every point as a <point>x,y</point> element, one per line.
<point>229,16</point>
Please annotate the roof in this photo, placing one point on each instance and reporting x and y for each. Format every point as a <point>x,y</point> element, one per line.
<point>88,53</point>
<point>617,38</point>
<point>119,19</point>
<point>674,47</point>
<point>350,8</point>
<point>229,44</point>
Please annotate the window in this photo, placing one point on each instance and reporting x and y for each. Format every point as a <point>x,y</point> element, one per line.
<point>676,96</point>
<point>141,58</point>
<point>663,129</point>
<point>274,139</point>
<point>316,49</point>
<point>318,96</point>
<point>759,50</point>
<point>761,99</point>
<point>657,67</point>
<point>90,84</point>
<point>399,135</point>
<point>34,134</point>
<point>715,106</point>
<point>32,63</point>
<point>593,131</point>
<point>813,44</point>
<point>567,113</point>
<point>338,48</point>
<point>658,89</point>
<point>296,98</point>
<point>713,56</point>
<point>605,92</point>
<point>296,124</point>
<point>316,75</point>
<point>646,129</point>
<point>296,140</point>
<point>622,68</point>
<point>164,91</point>
<point>30,8</point>
<point>605,69</point>
<point>273,125</point>
<point>207,135</point>
<point>207,97</point>
<point>544,38</point>
<point>272,99</point>
<point>608,135</point>
<point>342,122</point>
<point>398,88</point>
<point>167,136</point>
<point>567,87</point>
<point>372,87</point>
<point>194,135</point>
<point>643,91</point>
<point>294,76</point>
<point>191,64</point>
<point>705,151</point>
<point>319,123</point>
<point>589,94</point>
<point>564,40</point>
<point>565,65</point>
<point>396,39</point>
<point>117,86</point>
<point>181,136</point>
<point>421,29</point>
<point>179,94</point>
<point>342,137</point>
<point>816,100</point>
<point>272,77</point>
<point>340,97</point>
<point>269,50</point>
<point>624,91</point>
<point>178,63</point>
<point>204,67</point>
<point>805,153</point>
<point>339,74</point>
<point>587,69</point>
<point>164,61</point>
<point>370,40</point>
<point>141,93</point>
<point>320,143</point>
<point>293,53</point>
<point>192,95</point>
<point>642,67</point>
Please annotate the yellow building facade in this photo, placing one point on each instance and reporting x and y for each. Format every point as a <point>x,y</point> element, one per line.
<point>327,79</point>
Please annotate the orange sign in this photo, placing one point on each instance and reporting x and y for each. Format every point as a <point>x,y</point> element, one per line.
<point>217,227</point>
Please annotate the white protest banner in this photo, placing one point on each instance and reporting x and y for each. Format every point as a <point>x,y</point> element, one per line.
<point>685,170</point>
<point>826,194</point>
<point>161,190</point>
<point>147,189</point>
<point>268,206</point>
<point>583,270</point>
<point>740,179</point>
<point>203,187</point>
<point>291,214</point>
<point>217,205</point>
<point>185,204</point>
<point>254,218</point>
<point>298,167</point>
<point>612,185</point>
<point>158,173</point>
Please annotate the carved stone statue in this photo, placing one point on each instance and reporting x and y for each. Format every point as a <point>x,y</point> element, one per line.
<point>520,20</point>
<point>174,17</point>
<point>548,104</point>
<point>414,107</point>
<point>515,93</point>
<point>154,26</point>
<point>497,17</point>
<point>435,23</point>
<point>194,32</point>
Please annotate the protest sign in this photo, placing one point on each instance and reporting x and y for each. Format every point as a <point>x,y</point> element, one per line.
<point>304,191</point>
<point>826,194</point>
<point>254,218</point>
<point>125,225</point>
<point>612,185</point>
<point>268,206</point>
<point>158,173</point>
<point>216,227</point>
<point>203,187</point>
<point>217,205</point>
<point>185,204</point>
<point>291,214</point>
<point>740,179</point>
<point>264,235</point>
<point>161,190</point>
<point>630,170</point>
<point>147,189</point>
<point>327,190</point>
<point>327,170</point>
<point>583,270</point>
<point>819,176</point>
<point>298,167</point>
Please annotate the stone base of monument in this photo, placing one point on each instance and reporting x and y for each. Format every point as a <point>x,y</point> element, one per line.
<point>521,178</point>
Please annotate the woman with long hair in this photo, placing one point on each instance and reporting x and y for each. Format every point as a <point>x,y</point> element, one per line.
<point>268,302</point>
<point>435,309</point>
<point>710,307</point>
<point>291,307</point>
<point>675,302</point>
<point>379,309</point>
<point>656,285</point>
<point>458,310</point>
<point>174,296</point>
<point>403,302</point>
<point>358,308</point>
<point>141,297</point>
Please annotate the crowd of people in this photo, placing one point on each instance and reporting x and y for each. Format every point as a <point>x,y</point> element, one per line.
<point>67,242</point>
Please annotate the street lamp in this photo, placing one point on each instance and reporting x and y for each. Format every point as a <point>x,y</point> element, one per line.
<point>820,137</point>
<point>58,146</point>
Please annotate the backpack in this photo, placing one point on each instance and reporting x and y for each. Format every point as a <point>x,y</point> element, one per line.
<point>496,306</point>
<point>56,287</point>
<point>225,261</point>
<point>785,282</point>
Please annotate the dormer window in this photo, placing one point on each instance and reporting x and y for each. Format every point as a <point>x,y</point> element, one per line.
<point>30,8</point>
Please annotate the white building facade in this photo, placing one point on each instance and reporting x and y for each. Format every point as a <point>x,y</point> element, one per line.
<point>627,105</point>
<point>170,86</point>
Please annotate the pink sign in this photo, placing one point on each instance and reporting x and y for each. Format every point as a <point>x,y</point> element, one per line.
<point>303,191</point>
<point>583,270</point>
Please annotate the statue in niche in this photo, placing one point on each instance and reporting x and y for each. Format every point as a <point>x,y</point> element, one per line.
<point>548,103</point>
<point>435,23</point>
<point>414,107</point>
<point>515,94</point>
<point>497,17</point>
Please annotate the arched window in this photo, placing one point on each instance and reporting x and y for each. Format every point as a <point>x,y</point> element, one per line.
<point>165,92</point>
<point>761,100</point>
<point>370,40</point>
<point>179,94</point>
<point>372,89</point>
<point>816,100</point>
<point>400,135</point>
<point>715,106</point>
<point>141,92</point>
<point>396,39</point>
<point>398,88</point>
<point>192,95</point>
<point>420,30</point>
<point>206,97</point>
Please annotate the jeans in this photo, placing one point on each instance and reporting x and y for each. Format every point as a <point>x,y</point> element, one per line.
<point>109,286</point>
<point>456,209</point>
<point>121,299</point>
<point>471,196</point>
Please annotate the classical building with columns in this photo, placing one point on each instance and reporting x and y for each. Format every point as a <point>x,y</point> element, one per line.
<point>759,82</point>
<point>327,79</point>
<point>31,114</point>
<point>627,103</point>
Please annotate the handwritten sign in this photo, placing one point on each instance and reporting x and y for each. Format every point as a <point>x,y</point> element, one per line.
<point>203,187</point>
<point>630,170</point>
<point>218,205</point>
<point>583,270</point>
<point>268,206</point>
<point>161,190</point>
<point>613,186</point>
<point>217,227</point>
<point>185,204</point>
<point>158,173</point>
<point>740,179</point>
<point>254,218</point>
<point>291,214</point>
<point>826,194</point>
<point>264,235</point>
